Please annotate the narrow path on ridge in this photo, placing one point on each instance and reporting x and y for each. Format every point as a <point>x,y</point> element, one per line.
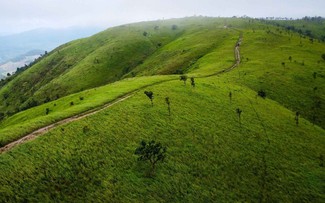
<point>45,129</point>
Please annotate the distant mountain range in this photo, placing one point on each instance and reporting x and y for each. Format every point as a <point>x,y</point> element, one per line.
<point>11,65</point>
<point>15,45</point>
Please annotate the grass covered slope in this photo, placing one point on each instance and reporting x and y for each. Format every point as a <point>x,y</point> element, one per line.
<point>210,156</point>
<point>27,121</point>
<point>213,154</point>
<point>111,55</point>
<point>288,68</point>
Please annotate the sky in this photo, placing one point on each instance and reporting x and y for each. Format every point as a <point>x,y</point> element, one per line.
<point>22,15</point>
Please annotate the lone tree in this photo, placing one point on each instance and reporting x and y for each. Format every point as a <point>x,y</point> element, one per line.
<point>192,82</point>
<point>152,152</point>
<point>261,93</point>
<point>238,111</point>
<point>183,78</point>
<point>47,111</point>
<point>168,104</point>
<point>297,118</point>
<point>230,96</point>
<point>150,96</point>
<point>290,58</point>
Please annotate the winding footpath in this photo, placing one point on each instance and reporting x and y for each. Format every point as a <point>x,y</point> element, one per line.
<point>45,129</point>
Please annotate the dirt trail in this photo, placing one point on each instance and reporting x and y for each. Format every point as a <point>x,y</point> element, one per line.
<point>45,129</point>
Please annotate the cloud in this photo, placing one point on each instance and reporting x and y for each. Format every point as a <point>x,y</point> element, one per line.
<point>17,15</point>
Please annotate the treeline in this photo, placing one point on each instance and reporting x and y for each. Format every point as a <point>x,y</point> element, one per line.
<point>304,26</point>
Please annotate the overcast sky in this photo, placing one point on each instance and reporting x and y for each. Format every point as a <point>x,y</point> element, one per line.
<point>21,15</point>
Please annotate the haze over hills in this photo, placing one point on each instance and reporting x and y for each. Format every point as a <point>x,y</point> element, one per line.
<point>244,123</point>
<point>15,45</point>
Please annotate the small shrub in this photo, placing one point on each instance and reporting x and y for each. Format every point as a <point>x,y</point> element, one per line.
<point>168,104</point>
<point>47,111</point>
<point>81,98</point>
<point>71,103</point>
<point>261,93</point>
<point>150,96</point>
<point>239,111</point>
<point>297,118</point>
<point>183,78</point>
<point>85,129</point>
<point>192,82</point>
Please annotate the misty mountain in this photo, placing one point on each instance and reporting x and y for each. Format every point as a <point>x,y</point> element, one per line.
<point>11,65</point>
<point>15,45</point>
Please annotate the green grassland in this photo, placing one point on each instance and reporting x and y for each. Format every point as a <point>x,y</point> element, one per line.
<point>212,156</point>
<point>292,84</point>
<point>311,27</point>
<point>27,121</point>
<point>111,55</point>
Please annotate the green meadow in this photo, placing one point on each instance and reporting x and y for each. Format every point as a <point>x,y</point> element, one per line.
<point>214,154</point>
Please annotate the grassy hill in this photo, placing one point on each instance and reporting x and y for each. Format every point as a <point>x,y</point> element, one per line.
<point>110,56</point>
<point>212,154</point>
<point>289,69</point>
<point>311,27</point>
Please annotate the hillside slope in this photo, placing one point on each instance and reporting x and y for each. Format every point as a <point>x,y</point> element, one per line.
<point>196,46</point>
<point>289,69</point>
<point>214,153</point>
<point>211,155</point>
<point>104,58</point>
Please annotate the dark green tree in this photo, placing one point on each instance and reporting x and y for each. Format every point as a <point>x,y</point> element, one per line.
<point>168,104</point>
<point>239,111</point>
<point>297,118</point>
<point>230,96</point>
<point>261,93</point>
<point>192,82</point>
<point>183,78</point>
<point>290,58</point>
<point>152,152</point>
<point>149,95</point>
<point>47,111</point>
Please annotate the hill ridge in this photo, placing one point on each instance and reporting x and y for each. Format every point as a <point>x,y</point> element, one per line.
<point>42,130</point>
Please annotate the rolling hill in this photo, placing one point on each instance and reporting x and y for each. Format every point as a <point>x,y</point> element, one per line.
<point>224,142</point>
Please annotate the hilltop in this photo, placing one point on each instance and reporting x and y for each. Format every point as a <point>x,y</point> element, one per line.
<point>233,136</point>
